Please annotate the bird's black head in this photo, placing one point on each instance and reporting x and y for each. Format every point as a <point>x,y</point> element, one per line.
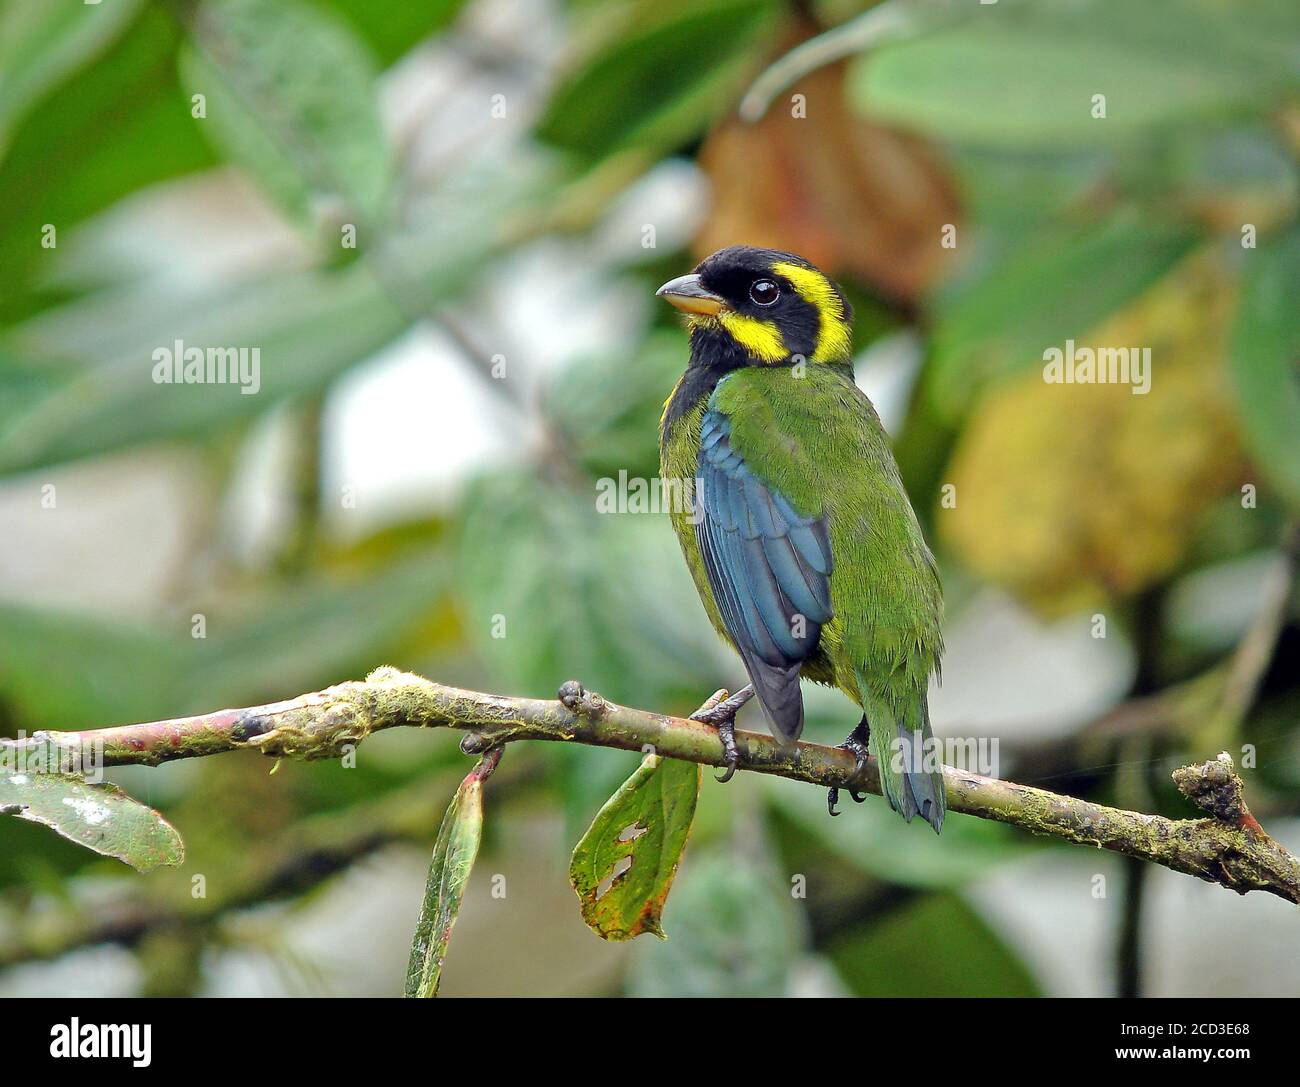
<point>772,307</point>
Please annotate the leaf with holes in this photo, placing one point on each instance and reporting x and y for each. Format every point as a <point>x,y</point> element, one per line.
<point>453,858</point>
<point>100,817</point>
<point>625,864</point>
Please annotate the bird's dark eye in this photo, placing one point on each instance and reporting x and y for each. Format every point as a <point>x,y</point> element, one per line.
<point>764,292</point>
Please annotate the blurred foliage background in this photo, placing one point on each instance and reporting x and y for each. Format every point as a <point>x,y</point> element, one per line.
<point>438,402</point>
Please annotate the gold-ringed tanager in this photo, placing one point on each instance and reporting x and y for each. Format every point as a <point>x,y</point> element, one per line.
<point>800,537</point>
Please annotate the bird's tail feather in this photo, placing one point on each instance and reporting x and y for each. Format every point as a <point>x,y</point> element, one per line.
<point>911,773</point>
<point>779,695</point>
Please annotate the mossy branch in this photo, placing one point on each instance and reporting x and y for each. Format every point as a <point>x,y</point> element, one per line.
<point>1228,847</point>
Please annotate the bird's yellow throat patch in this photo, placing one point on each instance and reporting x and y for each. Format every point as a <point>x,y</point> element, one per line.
<point>833,341</point>
<point>762,339</point>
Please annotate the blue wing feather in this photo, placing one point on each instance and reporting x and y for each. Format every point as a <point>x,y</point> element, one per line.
<point>767,566</point>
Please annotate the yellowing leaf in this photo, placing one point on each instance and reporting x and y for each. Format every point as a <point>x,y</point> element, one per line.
<point>815,178</point>
<point>1059,282</point>
<point>1072,494</point>
<point>645,823</point>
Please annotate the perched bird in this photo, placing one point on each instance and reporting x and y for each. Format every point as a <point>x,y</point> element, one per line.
<point>800,537</point>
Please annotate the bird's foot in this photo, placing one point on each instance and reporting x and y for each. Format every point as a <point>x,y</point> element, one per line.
<point>858,743</point>
<point>720,711</point>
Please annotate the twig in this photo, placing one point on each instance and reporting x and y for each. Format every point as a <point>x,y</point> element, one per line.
<point>884,24</point>
<point>1255,651</point>
<point>1229,848</point>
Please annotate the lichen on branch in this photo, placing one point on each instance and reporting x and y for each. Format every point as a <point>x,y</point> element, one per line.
<point>1228,847</point>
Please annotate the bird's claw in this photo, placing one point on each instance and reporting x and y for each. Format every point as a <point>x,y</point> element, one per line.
<point>727,734</point>
<point>856,743</point>
<point>720,711</point>
<point>833,798</point>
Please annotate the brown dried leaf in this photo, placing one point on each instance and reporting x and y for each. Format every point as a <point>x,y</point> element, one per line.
<point>855,198</point>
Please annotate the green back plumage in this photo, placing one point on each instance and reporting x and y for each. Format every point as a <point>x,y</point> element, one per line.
<point>817,440</point>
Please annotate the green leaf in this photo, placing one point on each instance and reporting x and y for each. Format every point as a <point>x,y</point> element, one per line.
<point>295,640</point>
<point>453,858</point>
<point>119,126</point>
<point>306,328</point>
<point>646,823</point>
<point>290,96</point>
<point>41,43</point>
<point>402,25</point>
<point>554,589</point>
<point>1265,362</point>
<point>309,635</point>
<point>608,408</point>
<point>936,945</point>
<point>98,353</point>
<point>657,83</point>
<point>69,671</point>
<point>1024,75</point>
<point>1057,285</point>
<point>98,816</point>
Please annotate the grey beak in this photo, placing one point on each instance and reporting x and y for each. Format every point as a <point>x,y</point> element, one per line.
<point>689,295</point>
